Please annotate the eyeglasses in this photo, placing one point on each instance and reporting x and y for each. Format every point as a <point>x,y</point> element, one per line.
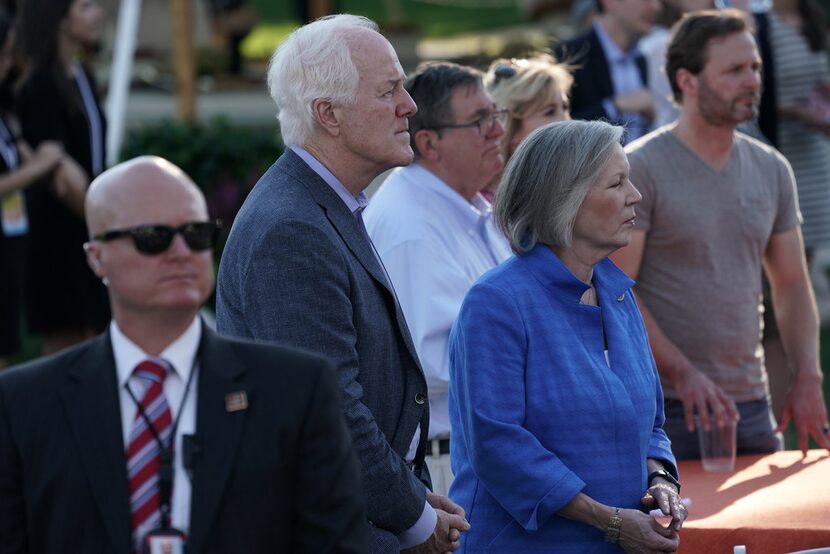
<point>155,239</point>
<point>485,123</point>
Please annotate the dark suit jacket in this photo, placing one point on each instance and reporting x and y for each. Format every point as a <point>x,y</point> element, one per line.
<point>592,78</point>
<point>280,476</point>
<point>298,270</point>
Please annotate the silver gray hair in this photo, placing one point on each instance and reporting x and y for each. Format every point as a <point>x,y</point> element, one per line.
<point>314,62</point>
<point>547,179</point>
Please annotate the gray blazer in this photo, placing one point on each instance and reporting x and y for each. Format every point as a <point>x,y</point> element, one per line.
<point>298,270</point>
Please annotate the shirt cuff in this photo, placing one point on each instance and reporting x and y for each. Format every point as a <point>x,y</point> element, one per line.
<point>420,532</point>
<point>610,109</point>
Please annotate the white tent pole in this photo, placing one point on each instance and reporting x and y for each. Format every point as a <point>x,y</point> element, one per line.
<point>126,34</point>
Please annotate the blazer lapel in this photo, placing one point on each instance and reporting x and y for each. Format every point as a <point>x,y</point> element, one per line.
<point>642,67</point>
<point>602,73</point>
<point>218,431</point>
<point>349,230</point>
<point>339,216</point>
<point>90,400</point>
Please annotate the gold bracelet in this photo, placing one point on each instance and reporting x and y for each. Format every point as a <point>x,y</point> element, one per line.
<point>612,532</point>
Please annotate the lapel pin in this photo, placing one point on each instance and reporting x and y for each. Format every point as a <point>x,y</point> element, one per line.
<point>621,297</point>
<point>236,401</point>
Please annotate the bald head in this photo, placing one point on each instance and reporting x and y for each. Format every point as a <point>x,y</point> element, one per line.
<point>140,191</point>
<point>139,202</point>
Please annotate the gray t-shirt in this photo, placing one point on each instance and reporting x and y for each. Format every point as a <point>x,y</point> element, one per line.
<point>707,232</point>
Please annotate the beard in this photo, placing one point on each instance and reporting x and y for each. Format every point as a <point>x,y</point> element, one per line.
<point>719,111</point>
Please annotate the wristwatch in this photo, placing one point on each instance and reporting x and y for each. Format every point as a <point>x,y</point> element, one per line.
<point>665,475</point>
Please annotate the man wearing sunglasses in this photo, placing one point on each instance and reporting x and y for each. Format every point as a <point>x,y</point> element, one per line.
<point>432,228</point>
<point>160,433</point>
<point>299,267</point>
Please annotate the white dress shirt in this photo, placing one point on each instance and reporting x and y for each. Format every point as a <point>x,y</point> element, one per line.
<point>180,355</point>
<point>625,78</point>
<point>435,245</point>
<point>654,47</point>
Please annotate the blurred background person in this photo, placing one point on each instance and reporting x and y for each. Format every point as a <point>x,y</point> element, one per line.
<point>555,402</point>
<point>610,80</point>
<point>233,20</point>
<point>58,102</point>
<point>19,168</point>
<point>795,106</point>
<point>794,117</point>
<point>534,92</point>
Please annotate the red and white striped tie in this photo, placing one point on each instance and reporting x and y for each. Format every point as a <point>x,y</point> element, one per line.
<point>143,451</point>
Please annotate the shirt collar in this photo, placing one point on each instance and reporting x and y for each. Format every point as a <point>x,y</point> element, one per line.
<point>179,354</point>
<point>354,203</point>
<point>550,271</point>
<point>470,212</point>
<point>613,52</point>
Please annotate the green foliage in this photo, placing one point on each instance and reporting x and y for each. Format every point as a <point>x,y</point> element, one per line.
<point>224,159</point>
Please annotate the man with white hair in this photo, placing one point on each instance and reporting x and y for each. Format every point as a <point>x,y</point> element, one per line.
<point>300,269</point>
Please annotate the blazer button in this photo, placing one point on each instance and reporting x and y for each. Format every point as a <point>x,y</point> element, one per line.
<point>420,398</point>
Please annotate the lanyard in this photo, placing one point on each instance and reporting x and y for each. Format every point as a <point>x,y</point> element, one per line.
<point>8,148</point>
<point>166,466</point>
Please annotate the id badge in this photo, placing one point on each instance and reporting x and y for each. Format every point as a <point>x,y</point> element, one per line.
<point>15,222</point>
<point>164,541</point>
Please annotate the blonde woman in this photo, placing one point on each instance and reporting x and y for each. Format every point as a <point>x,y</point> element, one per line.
<point>534,91</point>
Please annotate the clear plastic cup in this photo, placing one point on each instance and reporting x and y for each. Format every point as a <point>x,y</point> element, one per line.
<point>717,446</point>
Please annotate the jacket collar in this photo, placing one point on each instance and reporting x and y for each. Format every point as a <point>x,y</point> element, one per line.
<point>549,270</point>
<point>92,408</point>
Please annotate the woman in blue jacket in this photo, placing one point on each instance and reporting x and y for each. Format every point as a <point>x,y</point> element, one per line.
<point>555,403</point>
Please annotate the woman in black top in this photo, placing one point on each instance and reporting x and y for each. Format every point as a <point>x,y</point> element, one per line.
<point>57,102</point>
<point>19,168</point>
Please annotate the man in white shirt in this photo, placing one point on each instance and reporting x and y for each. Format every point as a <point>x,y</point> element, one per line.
<point>160,433</point>
<point>432,228</point>
<point>299,268</point>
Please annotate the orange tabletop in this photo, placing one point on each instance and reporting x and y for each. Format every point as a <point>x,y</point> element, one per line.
<point>772,504</point>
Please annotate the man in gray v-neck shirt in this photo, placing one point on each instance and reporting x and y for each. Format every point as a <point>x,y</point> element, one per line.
<point>717,207</point>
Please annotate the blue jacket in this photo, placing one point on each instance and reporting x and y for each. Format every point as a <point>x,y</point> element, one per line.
<point>537,414</point>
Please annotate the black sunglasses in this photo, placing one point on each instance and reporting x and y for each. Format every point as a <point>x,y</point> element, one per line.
<point>155,239</point>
